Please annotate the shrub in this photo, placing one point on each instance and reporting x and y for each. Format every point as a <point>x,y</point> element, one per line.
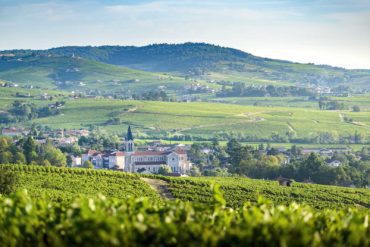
<point>8,179</point>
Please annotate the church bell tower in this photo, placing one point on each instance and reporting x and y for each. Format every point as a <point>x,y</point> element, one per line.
<point>129,143</point>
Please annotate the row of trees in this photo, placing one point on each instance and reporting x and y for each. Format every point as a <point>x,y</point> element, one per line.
<point>240,89</point>
<point>320,137</point>
<point>154,96</point>
<point>23,111</point>
<point>27,151</point>
<point>331,105</point>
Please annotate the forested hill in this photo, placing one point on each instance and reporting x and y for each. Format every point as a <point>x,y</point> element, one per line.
<point>210,62</point>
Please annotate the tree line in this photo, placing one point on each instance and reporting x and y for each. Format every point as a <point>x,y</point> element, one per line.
<point>27,151</point>
<point>23,111</point>
<point>240,89</point>
<point>267,163</point>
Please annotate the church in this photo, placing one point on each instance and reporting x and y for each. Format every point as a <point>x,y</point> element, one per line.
<point>132,160</point>
<point>151,161</point>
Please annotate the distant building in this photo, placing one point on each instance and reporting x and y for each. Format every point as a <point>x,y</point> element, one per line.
<point>76,161</point>
<point>14,132</point>
<point>335,163</point>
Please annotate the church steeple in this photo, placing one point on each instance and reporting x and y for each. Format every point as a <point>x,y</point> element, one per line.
<point>129,136</point>
<point>129,141</point>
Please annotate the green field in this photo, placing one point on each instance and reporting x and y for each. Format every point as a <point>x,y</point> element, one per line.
<point>205,119</point>
<point>300,102</point>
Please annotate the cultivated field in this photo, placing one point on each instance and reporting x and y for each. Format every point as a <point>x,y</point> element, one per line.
<point>205,119</point>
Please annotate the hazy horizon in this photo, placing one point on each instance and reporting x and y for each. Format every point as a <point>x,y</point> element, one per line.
<point>321,32</point>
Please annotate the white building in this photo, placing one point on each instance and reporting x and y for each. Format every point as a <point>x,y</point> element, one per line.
<point>335,163</point>
<point>76,161</point>
<point>113,160</point>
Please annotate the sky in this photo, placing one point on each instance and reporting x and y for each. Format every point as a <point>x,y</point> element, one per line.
<point>334,32</point>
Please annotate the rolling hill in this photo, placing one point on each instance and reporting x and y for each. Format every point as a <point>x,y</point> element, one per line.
<point>209,62</point>
<point>83,75</point>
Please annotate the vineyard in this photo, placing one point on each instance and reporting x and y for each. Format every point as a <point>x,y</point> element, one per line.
<point>240,190</point>
<point>107,208</point>
<point>65,184</point>
<point>139,222</point>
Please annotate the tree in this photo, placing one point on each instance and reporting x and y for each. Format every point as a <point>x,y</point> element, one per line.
<point>46,163</point>
<point>356,108</point>
<point>195,172</point>
<point>164,170</point>
<point>19,158</point>
<point>6,157</point>
<point>311,166</point>
<point>88,164</point>
<point>54,156</point>
<point>29,149</point>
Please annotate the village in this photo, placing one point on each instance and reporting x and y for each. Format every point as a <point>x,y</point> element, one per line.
<point>151,157</point>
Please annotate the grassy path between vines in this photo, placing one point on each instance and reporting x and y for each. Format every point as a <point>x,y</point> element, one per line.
<point>160,186</point>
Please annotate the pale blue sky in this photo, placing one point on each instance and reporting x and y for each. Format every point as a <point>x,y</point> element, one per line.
<point>335,32</point>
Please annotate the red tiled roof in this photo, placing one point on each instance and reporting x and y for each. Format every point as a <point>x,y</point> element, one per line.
<point>180,151</point>
<point>91,152</point>
<point>118,153</point>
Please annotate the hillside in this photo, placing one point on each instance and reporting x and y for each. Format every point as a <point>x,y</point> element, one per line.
<point>210,62</point>
<point>82,75</point>
<point>65,207</point>
<point>65,184</point>
<point>237,191</point>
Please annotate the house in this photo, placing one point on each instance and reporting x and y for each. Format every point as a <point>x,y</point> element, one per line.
<point>116,160</point>
<point>334,163</point>
<point>108,160</point>
<point>76,161</point>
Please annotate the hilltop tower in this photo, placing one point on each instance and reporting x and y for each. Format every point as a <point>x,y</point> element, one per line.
<point>129,143</point>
